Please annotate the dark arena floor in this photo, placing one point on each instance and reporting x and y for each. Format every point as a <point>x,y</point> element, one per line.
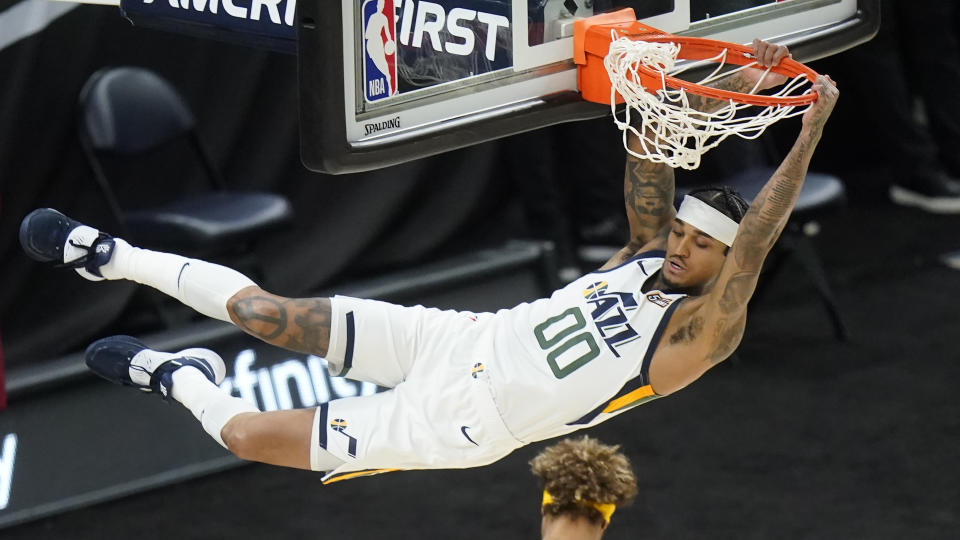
<point>798,436</point>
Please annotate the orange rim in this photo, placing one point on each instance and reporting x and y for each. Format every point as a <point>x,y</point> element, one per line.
<point>692,48</point>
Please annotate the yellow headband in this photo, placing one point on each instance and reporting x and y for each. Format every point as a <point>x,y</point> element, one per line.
<point>605,509</point>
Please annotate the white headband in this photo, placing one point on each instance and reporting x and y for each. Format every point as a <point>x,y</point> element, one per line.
<point>708,219</point>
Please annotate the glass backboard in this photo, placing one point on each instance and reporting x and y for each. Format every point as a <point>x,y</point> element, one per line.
<point>388,81</point>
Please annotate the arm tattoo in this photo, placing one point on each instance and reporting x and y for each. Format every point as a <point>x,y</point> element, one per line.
<point>301,324</point>
<point>313,319</point>
<point>787,183</point>
<point>737,292</point>
<point>727,334</point>
<point>688,332</point>
<point>771,208</point>
<point>260,316</point>
<point>647,187</point>
<point>648,195</point>
<point>733,83</point>
<point>758,231</point>
<point>620,257</point>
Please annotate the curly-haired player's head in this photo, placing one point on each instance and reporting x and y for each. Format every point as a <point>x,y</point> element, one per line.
<point>583,482</point>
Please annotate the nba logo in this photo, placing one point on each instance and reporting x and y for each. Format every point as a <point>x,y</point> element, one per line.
<point>379,50</point>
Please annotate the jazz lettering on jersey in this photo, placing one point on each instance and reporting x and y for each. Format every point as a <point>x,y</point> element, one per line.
<point>610,314</point>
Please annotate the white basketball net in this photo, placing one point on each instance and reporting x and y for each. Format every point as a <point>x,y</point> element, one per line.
<point>670,130</point>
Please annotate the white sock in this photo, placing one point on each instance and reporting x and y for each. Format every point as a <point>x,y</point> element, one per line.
<point>209,404</point>
<point>203,286</point>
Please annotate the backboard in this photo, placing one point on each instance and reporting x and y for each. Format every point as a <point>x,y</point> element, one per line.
<point>387,81</point>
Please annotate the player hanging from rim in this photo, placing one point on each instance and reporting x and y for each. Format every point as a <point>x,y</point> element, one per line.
<point>467,389</point>
<point>584,481</point>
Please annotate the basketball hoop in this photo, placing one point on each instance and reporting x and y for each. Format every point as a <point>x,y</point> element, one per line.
<point>621,60</point>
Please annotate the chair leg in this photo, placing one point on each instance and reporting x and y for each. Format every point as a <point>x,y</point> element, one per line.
<point>810,261</point>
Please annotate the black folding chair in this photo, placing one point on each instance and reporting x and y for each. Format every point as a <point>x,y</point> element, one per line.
<point>128,113</point>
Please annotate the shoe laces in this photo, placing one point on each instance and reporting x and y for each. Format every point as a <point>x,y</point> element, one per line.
<point>161,380</point>
<point>82,260</point>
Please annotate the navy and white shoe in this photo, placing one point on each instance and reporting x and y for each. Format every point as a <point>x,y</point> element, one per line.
<point>49,236</point>
<point>125,360</point>
<point>934,193</point>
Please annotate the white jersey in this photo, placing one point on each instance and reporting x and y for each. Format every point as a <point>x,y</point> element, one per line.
<point>467,388</point>
<point>581,356</point>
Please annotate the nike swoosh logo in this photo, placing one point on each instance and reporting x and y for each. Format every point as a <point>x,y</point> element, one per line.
<point>180,275</point>
<point>463,429</point>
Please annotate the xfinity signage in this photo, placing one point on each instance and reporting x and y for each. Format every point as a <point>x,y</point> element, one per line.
<point>292,383</point>
<point>111,428</point>
<point>8,454</point>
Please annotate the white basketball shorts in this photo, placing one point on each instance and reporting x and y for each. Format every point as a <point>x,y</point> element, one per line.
<point>438,413</point>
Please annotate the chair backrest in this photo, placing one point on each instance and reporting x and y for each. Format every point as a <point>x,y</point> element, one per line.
<point>127,110</point>
<point>140,139</point>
